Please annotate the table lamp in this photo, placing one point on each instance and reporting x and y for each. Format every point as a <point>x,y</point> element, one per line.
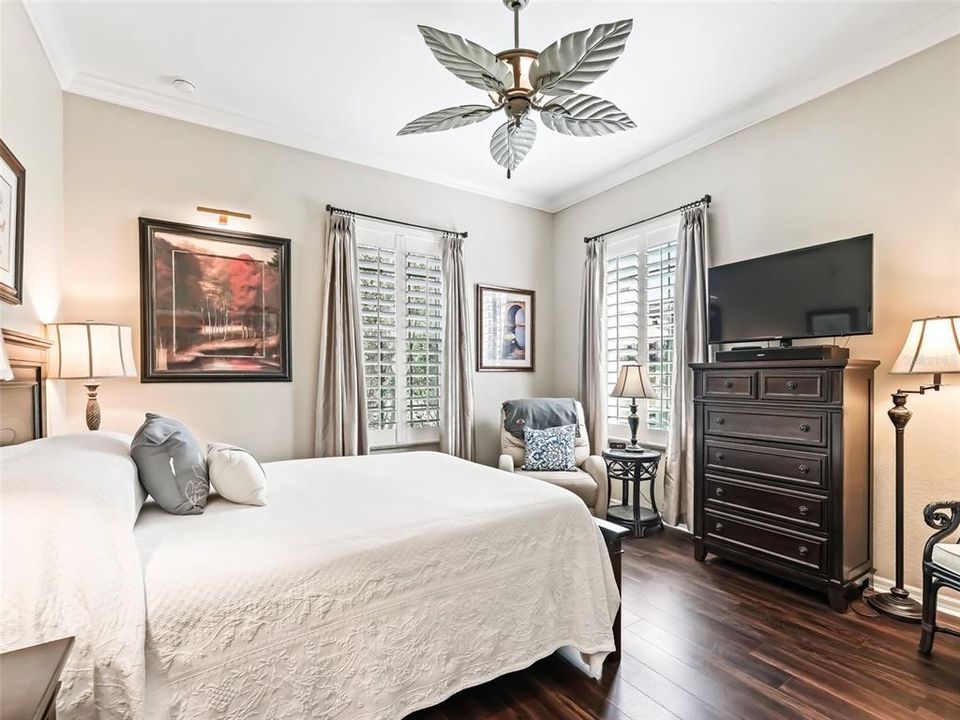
<point>932,348</point>
<point>90,351</point>
<point>6,372</point>
<point>633,382</point>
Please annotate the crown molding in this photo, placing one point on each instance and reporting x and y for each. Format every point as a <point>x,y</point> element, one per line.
<point>52,37</point>
<point>908,43</point>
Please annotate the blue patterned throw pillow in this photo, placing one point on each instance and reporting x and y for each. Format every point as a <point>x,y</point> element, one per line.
<point>550,449</point>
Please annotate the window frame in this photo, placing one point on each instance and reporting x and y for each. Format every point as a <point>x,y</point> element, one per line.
<point>386,236</point>
<point>638,240</point>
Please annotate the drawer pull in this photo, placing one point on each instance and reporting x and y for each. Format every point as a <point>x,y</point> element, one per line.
<point>719,421</point>
<point>728,384</point>
<point>791,385</point>
<point>803,468</point>
<point>719,456</point>
<point>719,492</point>
<point>718,527</point>
<point>804,510</point>
<point>803,550</point>
<point>804,428</point>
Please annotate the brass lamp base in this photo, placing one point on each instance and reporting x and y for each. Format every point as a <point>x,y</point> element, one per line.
<point>896,604</point>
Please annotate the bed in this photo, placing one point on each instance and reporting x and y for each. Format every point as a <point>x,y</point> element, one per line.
<point>366,588</point>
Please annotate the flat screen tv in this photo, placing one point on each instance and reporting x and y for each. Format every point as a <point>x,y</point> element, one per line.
<point>819,291</point>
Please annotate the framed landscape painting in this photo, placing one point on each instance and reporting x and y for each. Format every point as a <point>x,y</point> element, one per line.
<point>505,328</point>
<point>12,197</point>
<point>215,304</point>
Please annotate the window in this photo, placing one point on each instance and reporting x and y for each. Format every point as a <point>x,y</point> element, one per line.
<point>400,305</point>
<point>641,272</point>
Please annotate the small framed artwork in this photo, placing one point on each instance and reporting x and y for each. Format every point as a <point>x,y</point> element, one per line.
<point>12,197</point>
<point>506,332</point>
<point>215,304</point>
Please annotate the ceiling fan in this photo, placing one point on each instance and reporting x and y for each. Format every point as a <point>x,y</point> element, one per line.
<point>519,81</point>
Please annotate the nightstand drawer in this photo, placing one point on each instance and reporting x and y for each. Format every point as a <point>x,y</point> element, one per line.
<point>792,426</point>
<point>738,384</point>
<point>767,463</point>
<point>740,496</point>
<point>806,385</point>
<point>800,550</point>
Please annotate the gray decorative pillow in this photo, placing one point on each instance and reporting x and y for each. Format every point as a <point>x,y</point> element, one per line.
<point>550,449</point>
<point>172,466</point>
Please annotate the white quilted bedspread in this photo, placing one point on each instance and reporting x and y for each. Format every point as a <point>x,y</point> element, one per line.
<point>69,566</point>
<point>366,588</point>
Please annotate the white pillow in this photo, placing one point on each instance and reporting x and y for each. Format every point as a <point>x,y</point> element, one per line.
<point>236,475</point>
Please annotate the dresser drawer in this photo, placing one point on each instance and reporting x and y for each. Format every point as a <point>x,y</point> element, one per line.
<point>767,463</point>
<point>805,510</point>
<point>799,550</point>
<point>794,426</point>
<point>806,385</point>
<point>729,384</point>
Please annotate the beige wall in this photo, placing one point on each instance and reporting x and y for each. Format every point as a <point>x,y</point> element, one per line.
<point>31,125</point>
<point>121,164</point>
<point>881,155</point>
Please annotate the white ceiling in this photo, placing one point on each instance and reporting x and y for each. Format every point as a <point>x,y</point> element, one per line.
<point>341,78</point>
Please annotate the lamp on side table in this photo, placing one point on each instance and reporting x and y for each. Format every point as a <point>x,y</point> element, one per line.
<point>91,351</point>
<point>932,348</point>
<point>633,382</point>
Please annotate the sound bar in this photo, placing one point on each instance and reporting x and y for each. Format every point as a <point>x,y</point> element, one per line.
<point>796,352</point>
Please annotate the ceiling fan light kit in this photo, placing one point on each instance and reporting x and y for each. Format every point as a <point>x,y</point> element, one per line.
<point>519,81</point>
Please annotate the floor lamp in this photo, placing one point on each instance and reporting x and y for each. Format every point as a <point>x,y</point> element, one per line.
<point>932,348</point>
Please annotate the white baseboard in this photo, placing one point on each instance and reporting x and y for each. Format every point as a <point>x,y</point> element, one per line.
<point>946,604</point>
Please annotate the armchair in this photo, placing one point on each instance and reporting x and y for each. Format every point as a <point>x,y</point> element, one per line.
<point>588,482</point>
<point>941,566</point>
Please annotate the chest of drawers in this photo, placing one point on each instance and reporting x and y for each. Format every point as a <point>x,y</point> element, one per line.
<point>783,469</point>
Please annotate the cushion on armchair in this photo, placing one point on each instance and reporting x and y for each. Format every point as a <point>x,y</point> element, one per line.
<point>947,556</point>
<point>550,449</point>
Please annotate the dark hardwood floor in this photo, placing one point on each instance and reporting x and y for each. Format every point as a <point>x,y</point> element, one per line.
<point>715,640</point>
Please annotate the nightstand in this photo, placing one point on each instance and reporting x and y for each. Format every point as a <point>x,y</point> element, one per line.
<point>31,679</point>
<point>629,466</point>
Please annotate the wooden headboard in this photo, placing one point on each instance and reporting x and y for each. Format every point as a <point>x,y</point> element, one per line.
<point>23,414</point>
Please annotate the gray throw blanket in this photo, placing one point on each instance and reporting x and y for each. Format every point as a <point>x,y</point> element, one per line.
<point>539,414</point>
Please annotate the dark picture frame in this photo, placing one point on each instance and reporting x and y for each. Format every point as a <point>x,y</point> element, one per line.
<point>225,317</point>
<point>506,329</point>
<point>12,206</point>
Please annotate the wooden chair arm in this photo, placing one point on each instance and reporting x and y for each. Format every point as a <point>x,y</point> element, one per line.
<point>944,523</point>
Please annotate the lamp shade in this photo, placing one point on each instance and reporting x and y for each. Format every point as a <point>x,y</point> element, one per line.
<point>6,372</point>
<point>90,350</point>
<point>932,347</point>
<point>633,382</point>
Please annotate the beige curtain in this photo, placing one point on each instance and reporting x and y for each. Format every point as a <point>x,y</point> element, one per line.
<point>689,346</point>
<point>341,395</point>
<point>456,402</point>
<point>592,387</point>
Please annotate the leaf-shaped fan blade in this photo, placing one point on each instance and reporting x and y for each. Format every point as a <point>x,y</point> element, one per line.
<point>576,60</point>
<point>471,63</point>
<point>584,116</point>
<point>448,118</point>
<point>511,142</point>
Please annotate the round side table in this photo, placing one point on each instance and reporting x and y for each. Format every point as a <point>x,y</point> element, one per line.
<point>628,467</point>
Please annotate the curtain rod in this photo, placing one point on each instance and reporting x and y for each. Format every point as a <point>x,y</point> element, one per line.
<point>705,200</point>
<point>332,209</point>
